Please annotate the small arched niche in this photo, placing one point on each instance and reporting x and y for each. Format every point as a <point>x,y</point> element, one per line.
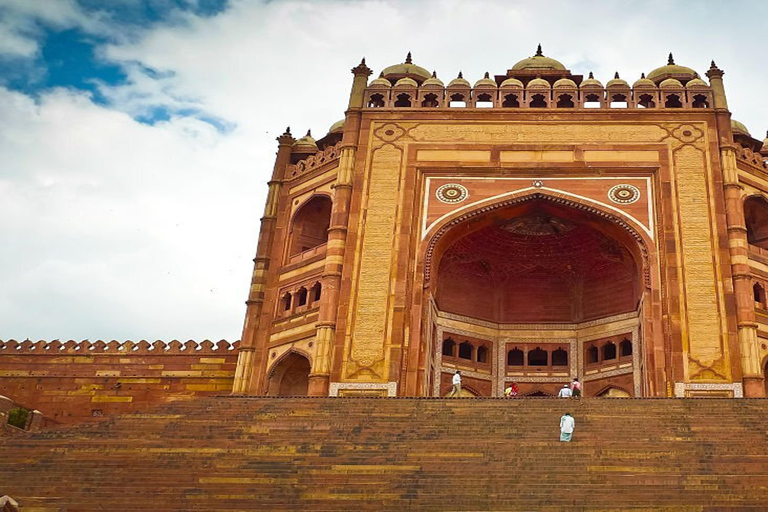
<point>756,220</point>
<point>309,228</point>
<point>290,376</point>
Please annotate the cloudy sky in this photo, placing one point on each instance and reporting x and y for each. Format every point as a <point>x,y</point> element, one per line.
<point>137,136</point>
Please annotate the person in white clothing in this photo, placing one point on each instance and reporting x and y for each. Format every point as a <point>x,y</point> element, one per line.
<point>567,424</point>
<point>565,392</point>
<point>456,391</point>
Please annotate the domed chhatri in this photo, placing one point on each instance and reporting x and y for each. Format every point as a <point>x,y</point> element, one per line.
<point>433,81</point>
<point>591,82</point>
<point>671,70</point>
<point>538,83</point>
<point>459,81</point>
<point>406,82</point>
<point>380,82</point>
<point>564,83</point>
<point>485,82</point>
<point>337,127</point>
<point>643,83</point>
<point>617,81</point>
<point>739,128</point>
<point>306,144</point>
<point>406,70</point>
<point>511,83</point>
<point>539,61</point>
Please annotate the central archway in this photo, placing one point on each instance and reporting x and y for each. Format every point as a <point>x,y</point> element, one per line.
<point>537,290</point>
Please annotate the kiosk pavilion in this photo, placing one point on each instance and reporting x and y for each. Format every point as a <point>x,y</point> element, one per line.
<point>531,227</point>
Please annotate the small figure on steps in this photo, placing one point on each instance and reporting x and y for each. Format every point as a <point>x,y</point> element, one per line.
<point>576,387</point>
<point>565,392</point>
<point>511,390</point>
<point>567,424</point>
<point>456,391</point>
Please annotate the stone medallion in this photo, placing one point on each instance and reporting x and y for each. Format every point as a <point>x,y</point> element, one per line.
<point>452,193</point>
<point>624,194</point>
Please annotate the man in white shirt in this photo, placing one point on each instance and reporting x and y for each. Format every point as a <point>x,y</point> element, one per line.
<point>565,392</point>
<point>567,424</point>
<point>456,391</point>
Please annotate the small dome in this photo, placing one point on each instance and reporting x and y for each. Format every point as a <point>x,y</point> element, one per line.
<point>406,69</point>
<point>737,127</point>
<point>616,81</point>
<point>538,83</point>
<point>591,82</point>
<point>644,83</point>
<point>671,70</point>
<point>406,82</point>
<point>697,83</point>
<point>539,61</point>
<point>433,81</point>
<point>380,82</point>
<point>511,82</point>
<point>565,83</point>
<point>670,83</point>
<point>459,81</point>
<point>306,144</point>
<point>337,127</point>
<point>486,82</point>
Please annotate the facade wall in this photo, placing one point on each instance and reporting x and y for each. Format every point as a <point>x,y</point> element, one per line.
<point>76,382</point>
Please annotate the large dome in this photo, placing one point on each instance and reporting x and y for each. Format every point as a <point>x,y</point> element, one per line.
<point>671,70</point>
<point>539,61</point>
<point>406,69</point>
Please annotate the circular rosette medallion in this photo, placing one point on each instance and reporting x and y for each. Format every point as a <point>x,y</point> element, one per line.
<point>452,193</point>
<point>624,194</point>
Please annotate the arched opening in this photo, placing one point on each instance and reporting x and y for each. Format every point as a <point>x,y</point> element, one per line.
<point>301,297</point>
<point>565,101</point>
<point>592,101</point>
<point>646,101</point>
<point>430,101</point>
<point>376,101</point>
<point>465,351</point>
<point>537,357</point>
<point>403,100</point>
<point>482,354</point>
<point>619,101</point>
<point>309,228</point>
<point>449,346</point>
<point>673,101</point>
<point>317,292</point>
<point>285,302</point>
<point>538,101</point>
<point>559,357</point>
<point>700,101</point>
<point>290,376</point>
<point>625,348</point>
<point>756,220</point>
<point>484,101</point>
<point>613,392</point>
<point>592,355</point>
<point>511,101</point>
<point>515,357</point>
<point>457,101</point>
<point>609,351</point>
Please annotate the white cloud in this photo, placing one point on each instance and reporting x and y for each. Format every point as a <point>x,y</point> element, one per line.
<point>126,230</point>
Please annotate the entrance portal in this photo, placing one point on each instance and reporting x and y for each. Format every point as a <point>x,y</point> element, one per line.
<point>538,292</point>
<point>290,377</point>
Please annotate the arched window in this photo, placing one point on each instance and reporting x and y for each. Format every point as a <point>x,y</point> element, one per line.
<point>482,354</point>
<point>457,100</point>
<point>317,291</point>
<point>646,101</point>
<point>285,302</point>
<point>537,357</point>
<point>592,101</point>
<point>592,354</point>
<point>700,101</point>
<point>625,348</point>
<point>565,101</point>
<point>465,350</point>
<point>673,101</point>
<point>484,101</point>
<point>609,351</point>
<point>376,101</point>
<point>515,357</point>
<point>403,100</point>
<point>511,101</point>
<point>310,225</point>
<point>301,296</point>
<point>756,220</point>
<point>759,294</point>
<point>559,357</point>
<point>430,100</point>
<point>619,101</point>
<point>448,347</point>
<point>538,101</point>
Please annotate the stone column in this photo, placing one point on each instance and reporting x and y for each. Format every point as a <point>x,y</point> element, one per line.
<point>319,377</point>
<point>737,244</point>
<point>247,355</point>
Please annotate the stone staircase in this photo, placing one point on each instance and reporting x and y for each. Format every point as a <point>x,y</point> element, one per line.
<point>231,453</point>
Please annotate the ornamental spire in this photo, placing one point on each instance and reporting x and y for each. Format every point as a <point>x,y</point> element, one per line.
<point>670,60</point>
<point>408,59</point>
<point>538,51</point>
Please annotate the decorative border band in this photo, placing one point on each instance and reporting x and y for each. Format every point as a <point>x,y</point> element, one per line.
<point>389,387</point>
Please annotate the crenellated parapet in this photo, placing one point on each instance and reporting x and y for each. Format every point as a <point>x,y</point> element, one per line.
<point>312,162</point>
<point>158,347</point>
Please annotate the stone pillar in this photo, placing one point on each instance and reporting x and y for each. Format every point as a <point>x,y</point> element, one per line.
<point>246,358</point>
<point>737,244</point>
<point>319,377</point>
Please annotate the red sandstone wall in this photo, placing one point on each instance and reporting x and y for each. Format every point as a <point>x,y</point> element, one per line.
<point>73,382</point>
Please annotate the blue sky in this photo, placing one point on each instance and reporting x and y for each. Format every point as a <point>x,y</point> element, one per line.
<point>136,137</point>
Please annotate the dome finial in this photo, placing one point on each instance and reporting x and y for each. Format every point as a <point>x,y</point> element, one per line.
<point>591,75</point>
<point>538,51</point>
<point>616,75</point>
<point>460,75</point>
<point>362,62</point>
<point>642,75</point>
<point>670,60</point>
<point>487,75</point>
<point>287,131</point>
<point>434,74</point>
<point>309,133</point>
<point>408,59</point>
<point>713,65</point>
